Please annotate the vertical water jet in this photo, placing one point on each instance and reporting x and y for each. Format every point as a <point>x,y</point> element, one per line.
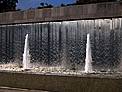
<point>88,60</point>
<point>26,55</point>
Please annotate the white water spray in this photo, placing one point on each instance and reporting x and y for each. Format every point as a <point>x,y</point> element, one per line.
<point>26,56</point>
<point>88,60</point>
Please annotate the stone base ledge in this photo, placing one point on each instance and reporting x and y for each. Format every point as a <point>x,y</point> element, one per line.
<point>60,83</point>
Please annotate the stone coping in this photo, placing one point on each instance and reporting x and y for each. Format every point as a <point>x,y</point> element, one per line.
<point>75,12</point>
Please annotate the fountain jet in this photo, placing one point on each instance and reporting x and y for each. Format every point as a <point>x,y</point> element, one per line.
<point>26,55</point>
<point>88,60</point>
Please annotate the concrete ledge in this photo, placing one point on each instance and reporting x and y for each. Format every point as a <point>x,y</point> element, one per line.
<point>8,89</point>
<point>87,11</point>
<point>60,83</point>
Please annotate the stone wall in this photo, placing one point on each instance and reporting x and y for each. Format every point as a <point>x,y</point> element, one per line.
<point>88,11</point>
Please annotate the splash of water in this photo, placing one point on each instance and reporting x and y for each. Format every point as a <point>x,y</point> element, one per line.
<point>26,55</point>
<point>88,60</point>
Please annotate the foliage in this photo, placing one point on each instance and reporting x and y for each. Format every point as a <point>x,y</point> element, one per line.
<point>94,1</point>
<point>8,5</point>
<point>45,5</point>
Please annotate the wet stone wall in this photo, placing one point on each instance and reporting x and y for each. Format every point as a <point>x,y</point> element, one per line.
<point>64,43</point>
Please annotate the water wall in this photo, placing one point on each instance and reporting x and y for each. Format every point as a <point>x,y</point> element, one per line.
<point>57,36</point>
<point>64,43</point>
